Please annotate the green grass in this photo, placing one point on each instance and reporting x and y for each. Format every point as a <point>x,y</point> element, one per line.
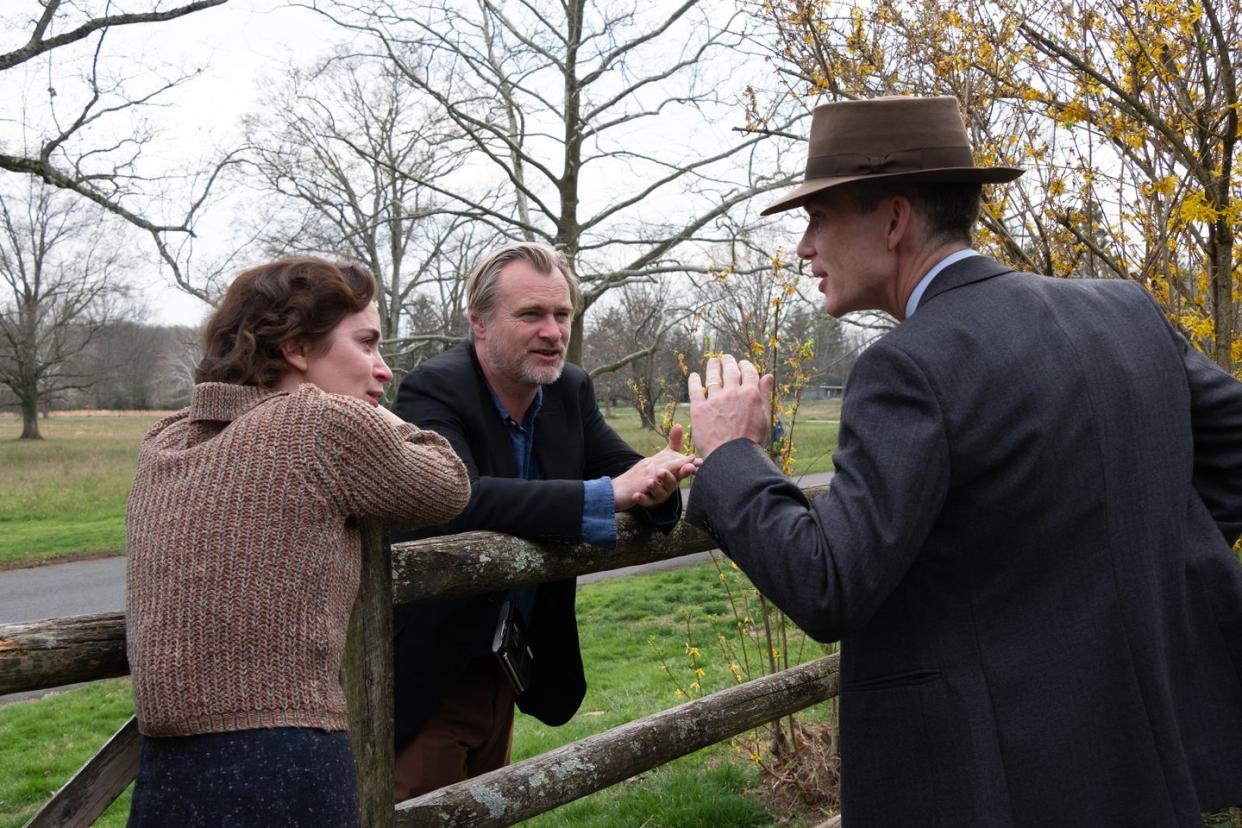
<point>47,740</point>
<point>66,494</point>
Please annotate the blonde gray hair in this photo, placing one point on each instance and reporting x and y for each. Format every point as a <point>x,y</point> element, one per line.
<point>482,286</point>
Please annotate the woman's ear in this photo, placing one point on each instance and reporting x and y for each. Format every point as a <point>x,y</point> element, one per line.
<point>294,352</point>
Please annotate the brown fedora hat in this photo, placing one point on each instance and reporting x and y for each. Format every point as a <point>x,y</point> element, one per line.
<point>915,139</point>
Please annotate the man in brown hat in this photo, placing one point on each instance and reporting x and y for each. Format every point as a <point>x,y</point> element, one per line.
<point>1026,547</point>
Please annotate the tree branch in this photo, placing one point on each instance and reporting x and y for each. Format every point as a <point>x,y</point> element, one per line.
<point>37,45</point>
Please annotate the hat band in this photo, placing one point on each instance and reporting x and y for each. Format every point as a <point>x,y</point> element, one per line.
<point>844,165</point>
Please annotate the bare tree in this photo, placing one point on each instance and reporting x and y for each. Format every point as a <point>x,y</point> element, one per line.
<point>337,152</point>
<point>135,365</point>
<point>59,265</point>
<point>637,347</point>
<point>85,134</point>
<point>173,372</point>
<point>607,123</point>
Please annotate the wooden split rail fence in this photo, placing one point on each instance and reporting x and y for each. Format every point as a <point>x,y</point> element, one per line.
<point>60,651</point>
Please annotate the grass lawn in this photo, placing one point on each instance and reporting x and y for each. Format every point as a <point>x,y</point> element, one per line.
<point>65,495</point>
<point>47,740</point>
<point>814,434</point>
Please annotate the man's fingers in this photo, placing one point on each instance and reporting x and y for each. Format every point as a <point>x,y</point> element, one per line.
<point>729,373</point>
<point>675,435</point>
<point>750,375</point>
<point>711,374</point>
<point>694,386</point>
<point>766,383</point>
<point>657,489</point>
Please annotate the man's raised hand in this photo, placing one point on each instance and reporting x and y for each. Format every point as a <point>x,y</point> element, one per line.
<point>731,400</point>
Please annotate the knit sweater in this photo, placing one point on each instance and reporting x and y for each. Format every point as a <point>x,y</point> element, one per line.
<point>244,551</point>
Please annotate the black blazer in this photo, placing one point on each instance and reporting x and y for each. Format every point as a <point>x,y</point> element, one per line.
<point>1026,554</point>
<point>435,640</point>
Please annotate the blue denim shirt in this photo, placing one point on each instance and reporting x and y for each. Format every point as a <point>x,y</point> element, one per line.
<point>599,519</point>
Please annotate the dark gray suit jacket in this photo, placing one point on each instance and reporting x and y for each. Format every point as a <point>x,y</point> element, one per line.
<point>1026,554</point>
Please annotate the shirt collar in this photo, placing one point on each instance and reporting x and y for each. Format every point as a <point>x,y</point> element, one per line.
<point>917,294</point>
<point>531,412</point>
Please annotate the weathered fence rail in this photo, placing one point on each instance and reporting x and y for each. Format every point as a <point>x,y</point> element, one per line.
<point>543,782</point>
<point>90,791</point>
<point>59,651</point>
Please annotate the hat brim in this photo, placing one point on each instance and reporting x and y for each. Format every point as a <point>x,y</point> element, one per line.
<point>801,194</point>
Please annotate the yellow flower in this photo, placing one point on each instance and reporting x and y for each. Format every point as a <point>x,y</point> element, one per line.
<point>1196,208</point>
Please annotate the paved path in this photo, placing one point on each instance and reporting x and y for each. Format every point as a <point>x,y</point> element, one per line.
<point>79,588</point>
<point>89,587</point>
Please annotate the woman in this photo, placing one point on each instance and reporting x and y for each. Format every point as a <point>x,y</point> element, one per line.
<point>244,549</point>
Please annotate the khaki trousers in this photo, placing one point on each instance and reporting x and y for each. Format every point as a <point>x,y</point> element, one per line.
<point>470,734</point>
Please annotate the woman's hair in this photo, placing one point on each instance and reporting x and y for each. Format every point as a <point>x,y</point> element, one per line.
<point>298,299</point>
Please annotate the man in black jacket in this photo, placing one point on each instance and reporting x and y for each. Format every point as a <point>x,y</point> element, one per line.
<point>544,465</point>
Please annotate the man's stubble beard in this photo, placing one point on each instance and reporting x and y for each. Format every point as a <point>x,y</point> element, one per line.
<point>542,375</point>
<point>518,366</point>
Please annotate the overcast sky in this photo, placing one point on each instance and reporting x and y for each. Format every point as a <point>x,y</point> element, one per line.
<point>237,45</point>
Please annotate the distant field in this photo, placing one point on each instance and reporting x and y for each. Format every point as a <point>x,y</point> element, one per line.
<point>815,433</point>
<point>65,495</point>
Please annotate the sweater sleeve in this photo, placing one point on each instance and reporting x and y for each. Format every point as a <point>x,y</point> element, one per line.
<point>401,474</point>
<point>548,511</point>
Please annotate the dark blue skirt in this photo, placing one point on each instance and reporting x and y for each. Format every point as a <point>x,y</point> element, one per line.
<point>287,776</point>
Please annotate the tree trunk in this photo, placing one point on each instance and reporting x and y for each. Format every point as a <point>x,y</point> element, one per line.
<point>576,333</point>
<point>30,419</point>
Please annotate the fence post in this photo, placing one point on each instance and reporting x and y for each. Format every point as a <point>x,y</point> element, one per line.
<point>367,678</point>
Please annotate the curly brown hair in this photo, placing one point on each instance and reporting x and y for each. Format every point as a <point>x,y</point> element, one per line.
<point>300,298</point>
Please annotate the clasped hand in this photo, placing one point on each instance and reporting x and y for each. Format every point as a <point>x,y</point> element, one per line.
<point>650,481</point>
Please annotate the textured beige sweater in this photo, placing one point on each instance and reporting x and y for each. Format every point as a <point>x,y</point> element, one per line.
<point>244,551</point>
